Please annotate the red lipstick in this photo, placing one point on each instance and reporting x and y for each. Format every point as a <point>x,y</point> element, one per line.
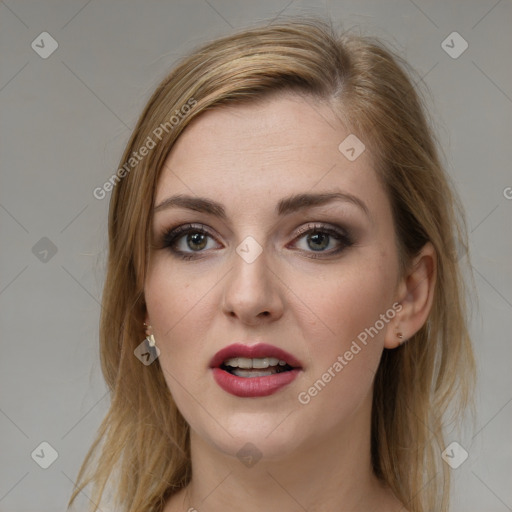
<point>278,375</point>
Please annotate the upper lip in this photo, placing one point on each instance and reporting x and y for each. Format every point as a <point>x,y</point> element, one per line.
<point>253,351</point>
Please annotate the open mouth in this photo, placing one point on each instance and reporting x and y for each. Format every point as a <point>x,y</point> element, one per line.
<point>251,371</point>
<point>255,367</point>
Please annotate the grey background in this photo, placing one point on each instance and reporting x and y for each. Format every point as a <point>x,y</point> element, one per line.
<point>65,120</point>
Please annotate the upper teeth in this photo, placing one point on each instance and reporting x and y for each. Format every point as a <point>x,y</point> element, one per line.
<point>259,362</point>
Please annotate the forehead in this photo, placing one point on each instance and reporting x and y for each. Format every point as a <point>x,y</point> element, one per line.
<point>252,154</point>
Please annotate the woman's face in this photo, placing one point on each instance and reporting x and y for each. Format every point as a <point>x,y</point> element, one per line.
<point>315,279</point>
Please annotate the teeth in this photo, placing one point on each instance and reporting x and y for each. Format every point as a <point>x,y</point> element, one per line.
<point>239,362</point>
<point>240,372</point>
<point>259,362</point>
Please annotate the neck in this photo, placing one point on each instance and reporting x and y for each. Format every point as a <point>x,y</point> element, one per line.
<point>330,473</point>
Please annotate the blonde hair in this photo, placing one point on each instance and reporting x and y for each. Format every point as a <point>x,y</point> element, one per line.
<point>144,439</point>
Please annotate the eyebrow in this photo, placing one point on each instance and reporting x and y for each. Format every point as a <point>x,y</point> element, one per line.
<point>285,206</point>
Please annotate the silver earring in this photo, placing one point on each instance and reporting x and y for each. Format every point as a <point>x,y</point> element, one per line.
<point>149,337</point>
<point>151,340</point>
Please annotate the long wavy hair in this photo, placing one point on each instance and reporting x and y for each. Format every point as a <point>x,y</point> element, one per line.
<point>142,446</point>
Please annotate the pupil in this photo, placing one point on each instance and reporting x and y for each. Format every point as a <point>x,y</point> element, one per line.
<point>314,237</point>
<point>196,239</point>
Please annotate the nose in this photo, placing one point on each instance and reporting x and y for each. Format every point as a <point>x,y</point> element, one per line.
<point>253,291</point>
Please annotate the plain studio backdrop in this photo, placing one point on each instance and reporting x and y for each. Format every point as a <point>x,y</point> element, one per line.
<point>74,78</point>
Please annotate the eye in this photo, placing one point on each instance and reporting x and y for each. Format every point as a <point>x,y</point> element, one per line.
<point>319,237</point>
<point>187,239</point>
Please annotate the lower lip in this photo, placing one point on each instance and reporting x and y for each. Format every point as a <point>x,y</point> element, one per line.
<point>253,386</point>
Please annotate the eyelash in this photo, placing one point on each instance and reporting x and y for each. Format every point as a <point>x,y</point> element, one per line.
<point>173,235</point>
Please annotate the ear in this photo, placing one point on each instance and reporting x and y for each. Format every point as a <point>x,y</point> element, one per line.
<point>415,292</point>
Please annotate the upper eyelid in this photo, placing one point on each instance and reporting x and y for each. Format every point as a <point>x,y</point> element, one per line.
<point>310,225</point>
<point>181,230</point>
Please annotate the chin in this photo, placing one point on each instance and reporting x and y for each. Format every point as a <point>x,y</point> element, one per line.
<point>261,435</point>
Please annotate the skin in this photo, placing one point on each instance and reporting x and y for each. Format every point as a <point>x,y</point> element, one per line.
<point>314,456</point>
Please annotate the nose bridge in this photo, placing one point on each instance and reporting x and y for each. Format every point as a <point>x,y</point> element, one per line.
<point>252,287</point>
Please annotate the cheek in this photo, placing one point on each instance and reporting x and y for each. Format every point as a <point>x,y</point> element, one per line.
<point>350,301</point>
<point>179,310</point>
<point>179,313</point>
<point>346,337</point>
<point>170,296</point>
<point>346,346</point>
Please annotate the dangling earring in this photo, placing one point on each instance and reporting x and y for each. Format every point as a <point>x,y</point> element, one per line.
<point>151,340</point>
<point>149,337</point>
